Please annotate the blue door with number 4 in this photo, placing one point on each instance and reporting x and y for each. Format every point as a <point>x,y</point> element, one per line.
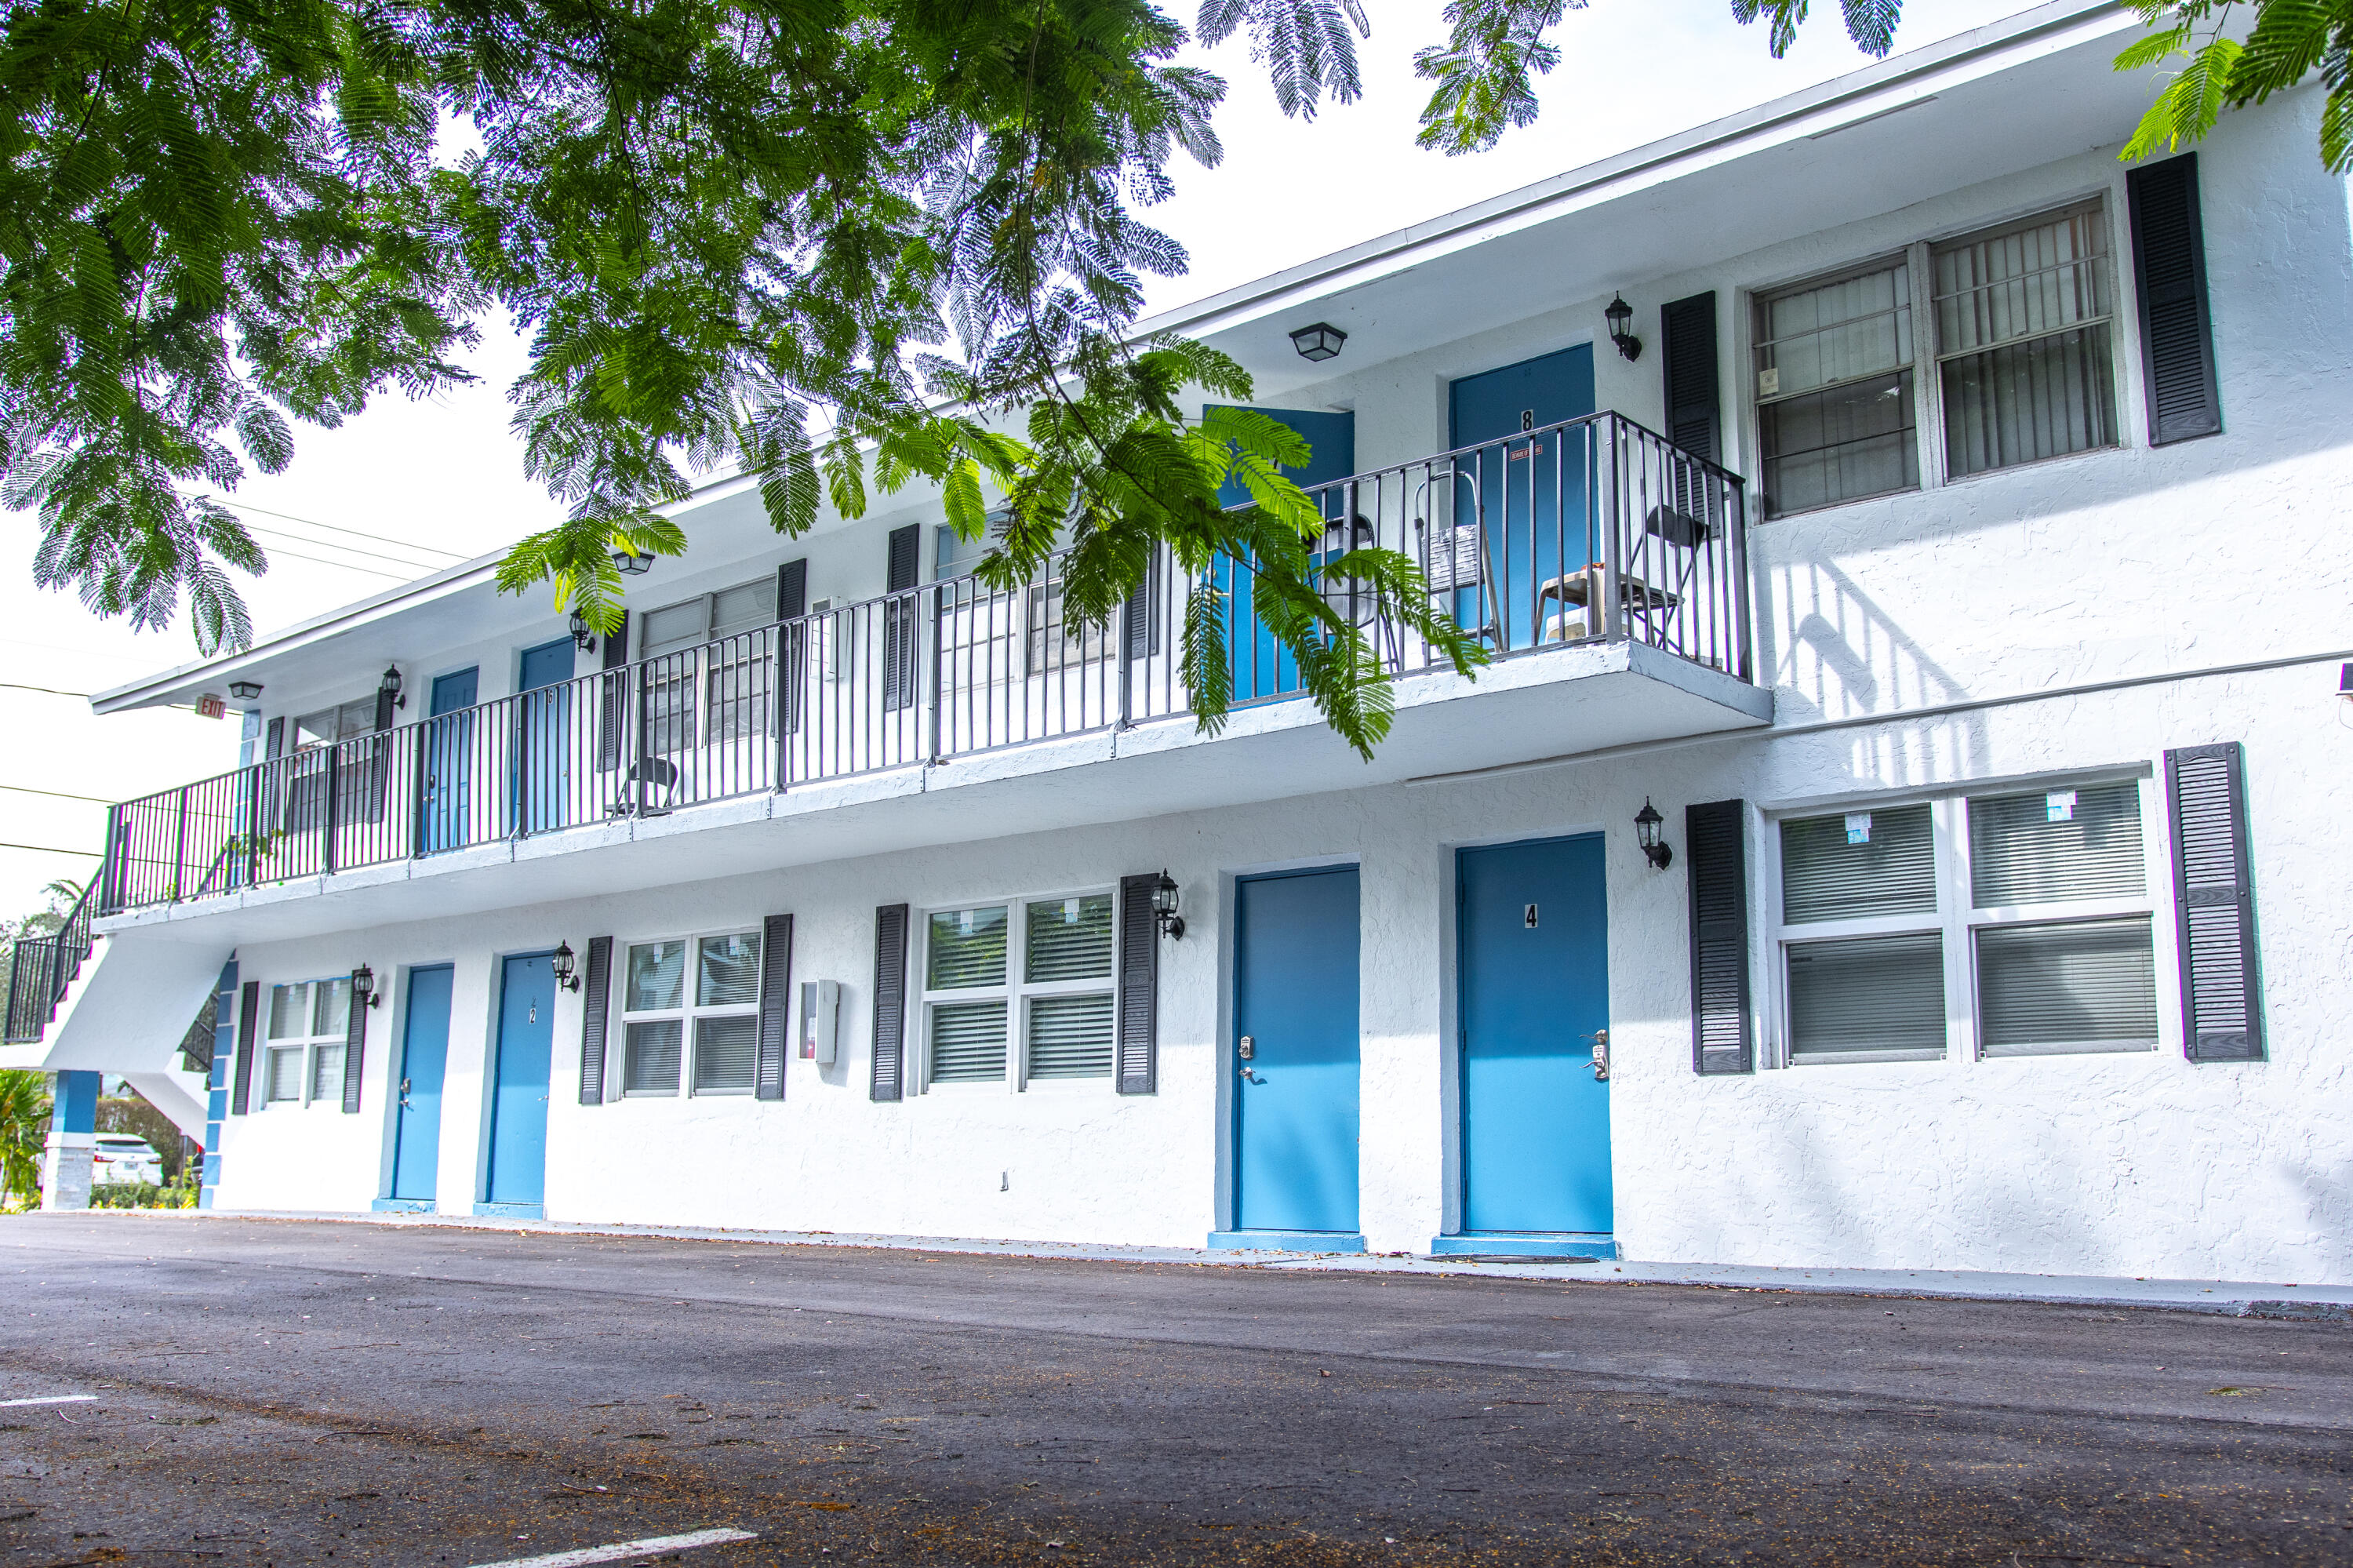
<point>1533,944</point>
<point>519,1085</point>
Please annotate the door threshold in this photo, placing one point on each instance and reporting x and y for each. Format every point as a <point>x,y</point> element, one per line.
<point>1286,1241</point>
<point>402,1206</point>
<point>486,1210</point>
<point>1567,1246</point>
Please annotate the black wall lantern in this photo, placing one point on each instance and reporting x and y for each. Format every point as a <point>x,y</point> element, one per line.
<point>364,989</point>
<point>1164,907</point>
<point>632,564</point>
<point>1621,316</point>
<point>583,638</point>
<point>562,963</point>
<point>388,689</point>
<point>1318,343</point>
<point>1647,823</point>
<point>244,690</point>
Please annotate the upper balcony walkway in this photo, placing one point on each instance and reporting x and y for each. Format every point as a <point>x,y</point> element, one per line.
<point>1593,537</point>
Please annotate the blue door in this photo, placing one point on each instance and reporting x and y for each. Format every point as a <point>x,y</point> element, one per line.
<point>1261,668</point>
<point>1533,956</point>
<point>1295,1095</point>
<point>543,737</point>
<point>1518,486</point>
<point>519,1082</point>
<point>424,1056</point>
<point>448,789</point>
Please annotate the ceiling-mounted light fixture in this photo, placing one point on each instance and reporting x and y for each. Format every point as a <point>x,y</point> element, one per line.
<point>1620,315</point>
<point>632,564</point>
<point>244,690</point>
<point>1318,343</point>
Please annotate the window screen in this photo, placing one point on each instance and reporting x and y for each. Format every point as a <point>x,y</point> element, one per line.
<point>327,1073</point>
<point>286,1074</point>
<point>1071,1036</point>
<point>1835,402</point>
<point>2023,339</point>
<point>967,1041</point>
<point>2090,982</point>
<point>727,1052</point>
<point>2056,845</point>
<point>1858,864</point>
<point>1867,996</point>
<point>649,1057</point>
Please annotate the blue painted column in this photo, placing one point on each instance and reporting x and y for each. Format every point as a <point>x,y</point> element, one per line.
<point>73,1134</point>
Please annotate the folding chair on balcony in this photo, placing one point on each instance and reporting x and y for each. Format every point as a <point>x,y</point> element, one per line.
<point>1456,560</point>
<point>659,772</point>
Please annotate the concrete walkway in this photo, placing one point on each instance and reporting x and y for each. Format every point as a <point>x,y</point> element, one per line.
<point>2243,1298</point>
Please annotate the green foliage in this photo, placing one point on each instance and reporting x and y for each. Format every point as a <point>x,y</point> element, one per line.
<point>134,1113</point>
<point>178,1193</point>
<point>2290,39</point>
<point>24,1132</point>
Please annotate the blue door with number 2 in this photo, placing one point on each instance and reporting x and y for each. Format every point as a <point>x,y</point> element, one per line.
<point>1296,1090</point>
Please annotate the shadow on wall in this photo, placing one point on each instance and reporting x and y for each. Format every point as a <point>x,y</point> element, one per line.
<point>1836,654</point>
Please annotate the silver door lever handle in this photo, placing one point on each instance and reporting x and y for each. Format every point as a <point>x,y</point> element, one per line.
<point>1600,1038</point>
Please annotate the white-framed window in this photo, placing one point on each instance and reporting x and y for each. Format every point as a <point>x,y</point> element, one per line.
<point>690,1015</point>
<point>1019,990</point>
<point>360,770</point>
<point>2015,922</point>
<point>2020,340</point>
<point>726,686</point>
<point>302,1047</point>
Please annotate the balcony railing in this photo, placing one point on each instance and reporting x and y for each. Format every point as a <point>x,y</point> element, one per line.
<point>1591,530</point>
<point>42,968</point>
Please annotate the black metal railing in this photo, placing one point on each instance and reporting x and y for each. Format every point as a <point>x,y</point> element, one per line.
<point>41,968</point>
<point>1590,530</point>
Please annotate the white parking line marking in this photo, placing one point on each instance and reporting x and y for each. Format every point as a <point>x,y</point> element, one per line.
<point>53,1399</point>
<point>621,1548</point>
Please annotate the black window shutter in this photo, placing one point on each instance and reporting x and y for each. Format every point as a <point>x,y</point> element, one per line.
<point>596,1011</point>
<point>1138,1030</point>
<point>890,1002</point>
<point>2214,897</point>
<point>613,701</point>
<point>1715,846</point>
<point>792,589</point>
<point>1687,328</point>
<point>384,709</point>
<point>899,622</point>
<point>276,745</point>
<point>354,1051</point>
<point>1142,607</point>
<point>248,1025</point>
<point>2176,335</point>
<point>775,1004</point>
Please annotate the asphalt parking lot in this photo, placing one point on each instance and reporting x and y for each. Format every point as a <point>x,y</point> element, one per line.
<point>220,1390</point>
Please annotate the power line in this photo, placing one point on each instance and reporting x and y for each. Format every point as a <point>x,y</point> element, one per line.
<point>46,691</point>
<point>347,566</point>
<point>52,848</point>
<point>59,794</point>
<point>354,533</point>
<point>353,549</point>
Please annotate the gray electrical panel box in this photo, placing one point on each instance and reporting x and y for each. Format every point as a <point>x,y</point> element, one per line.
<point>820,1021</point>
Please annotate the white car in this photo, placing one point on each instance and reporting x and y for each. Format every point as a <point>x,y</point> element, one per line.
<point>125,1156</point>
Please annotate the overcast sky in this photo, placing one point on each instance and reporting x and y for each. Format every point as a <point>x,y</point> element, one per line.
<point>444,478</point>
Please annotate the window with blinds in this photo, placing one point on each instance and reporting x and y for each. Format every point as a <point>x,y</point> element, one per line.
<point>308,1023</point>
<point>2028,911</point>
<point>1047,1014</point>
<point>715,644</point>
<point>689,1012</point>
<point>2077,985</point>
<point>2024,341</point>
<point>1835,403</point>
